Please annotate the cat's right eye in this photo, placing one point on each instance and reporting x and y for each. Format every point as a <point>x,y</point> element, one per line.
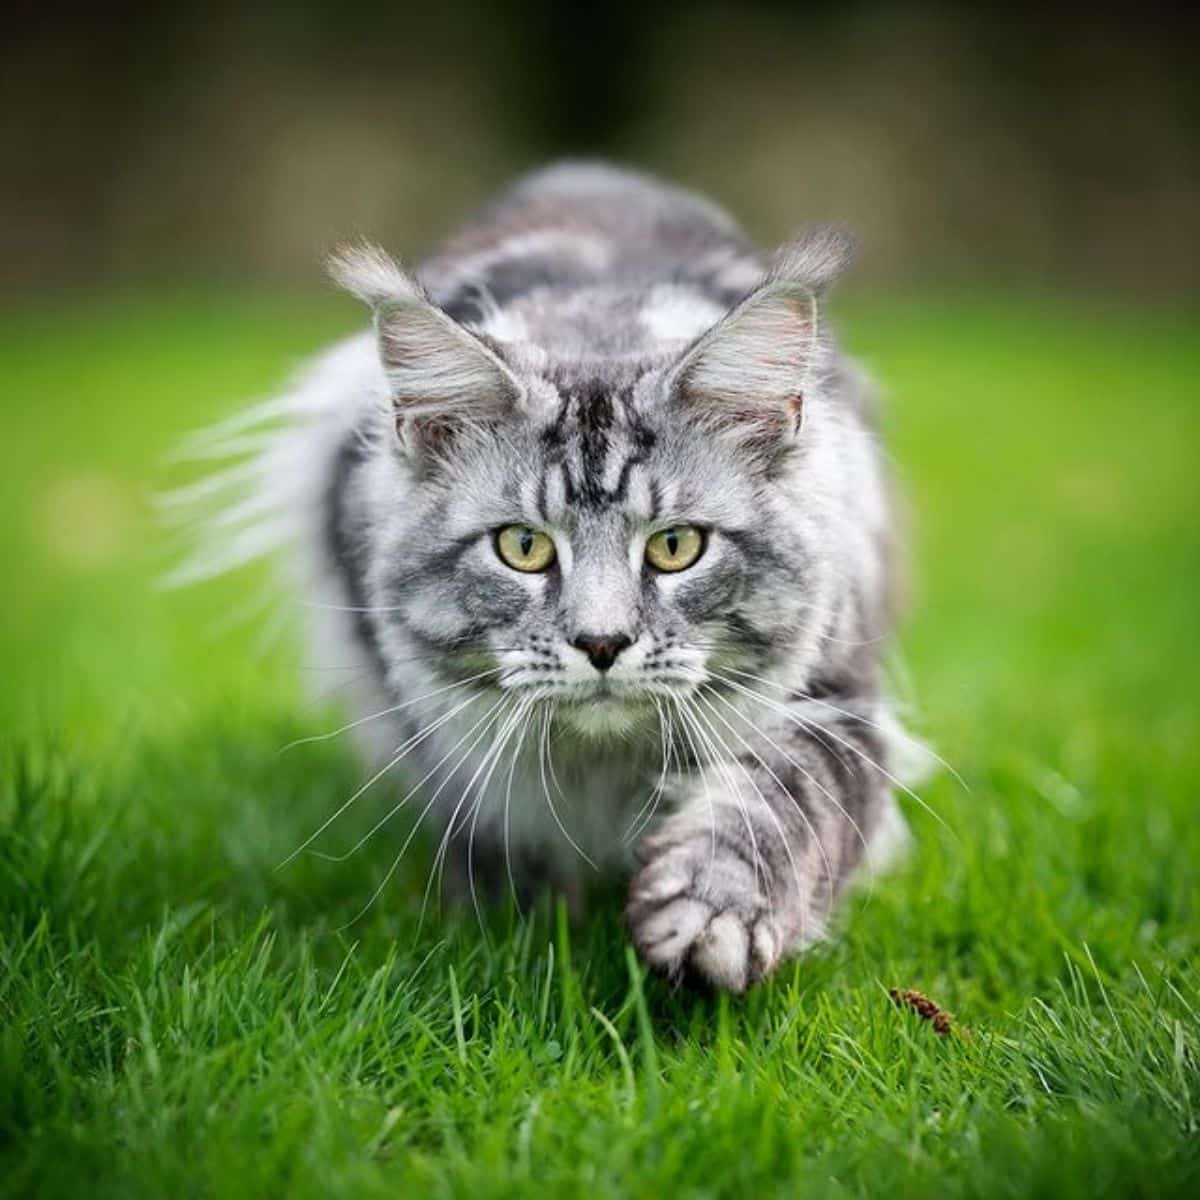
<point>675,548</point>
<point>525,549</point>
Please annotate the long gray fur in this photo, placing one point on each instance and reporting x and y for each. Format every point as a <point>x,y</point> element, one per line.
<point>598,355</point>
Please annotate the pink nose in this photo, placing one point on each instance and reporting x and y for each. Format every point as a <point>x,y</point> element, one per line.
<point>601,650</point>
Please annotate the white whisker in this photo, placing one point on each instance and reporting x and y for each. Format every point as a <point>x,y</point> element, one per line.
<point>517,721</point>
<point>543,755</point>
<point>512,767</point>
<point>719,763</point>
<point>829,873</point>
<point>391,871</point>
<point>811,778</point>
<point>807,724</point>
<point>503,727</point>
<point>384,712</point>
<point>648,809</point>
<point>808,775</point>
<point>712,813</point>
<point>736,761</point>
<point>887,731</point>
<point>415,740</point>
<point>366,837</point>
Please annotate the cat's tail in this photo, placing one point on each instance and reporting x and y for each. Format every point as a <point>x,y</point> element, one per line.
<point>264,470</point>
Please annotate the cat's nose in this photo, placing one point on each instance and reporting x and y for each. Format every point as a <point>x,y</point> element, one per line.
<point>602,649</point>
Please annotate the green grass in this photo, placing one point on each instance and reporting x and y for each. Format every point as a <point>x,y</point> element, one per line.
<point>178,1017</point>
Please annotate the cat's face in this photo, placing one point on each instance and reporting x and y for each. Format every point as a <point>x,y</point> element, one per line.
<point>603,552</point>
<point>596,533</point>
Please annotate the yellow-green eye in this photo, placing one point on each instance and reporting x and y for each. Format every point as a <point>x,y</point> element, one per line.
<point>674,548</point>
<point>524,548</point>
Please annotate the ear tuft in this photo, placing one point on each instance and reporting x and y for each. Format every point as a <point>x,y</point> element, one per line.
<point>815,259</point>
<point>371,274</point>
<point>442,378</point>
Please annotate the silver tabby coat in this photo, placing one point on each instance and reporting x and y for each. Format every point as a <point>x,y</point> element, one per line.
<point>596,520</point>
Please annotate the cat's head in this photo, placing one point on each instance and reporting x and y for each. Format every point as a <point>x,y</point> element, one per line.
<point>600,530</point>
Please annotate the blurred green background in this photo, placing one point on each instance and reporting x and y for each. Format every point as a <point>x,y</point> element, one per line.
<point>1025,188</point>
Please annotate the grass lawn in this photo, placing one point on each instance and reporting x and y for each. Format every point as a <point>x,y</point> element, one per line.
<point>180,1018</point>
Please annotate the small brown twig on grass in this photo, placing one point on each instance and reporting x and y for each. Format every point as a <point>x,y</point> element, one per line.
<point>926,1009</point>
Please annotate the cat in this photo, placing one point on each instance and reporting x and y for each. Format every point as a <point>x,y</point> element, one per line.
<point>597,520</point>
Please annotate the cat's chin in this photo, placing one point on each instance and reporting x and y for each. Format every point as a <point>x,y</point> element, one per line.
<point>606,716</point>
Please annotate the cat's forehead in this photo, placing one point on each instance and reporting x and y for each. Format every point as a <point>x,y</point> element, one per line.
<point>591,396</point>
<point>595,448</point>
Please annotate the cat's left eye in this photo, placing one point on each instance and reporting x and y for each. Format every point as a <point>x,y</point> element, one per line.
<point>675,548</point>
<point>524,548</point>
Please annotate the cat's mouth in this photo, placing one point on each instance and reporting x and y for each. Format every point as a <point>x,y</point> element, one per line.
<point>608,707</point>
<point>606,690</point>
<point>631,691</point>
<point>613,697</point>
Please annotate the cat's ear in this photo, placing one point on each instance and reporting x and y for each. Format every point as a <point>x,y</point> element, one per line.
<point>442,378</point>
<point>747,377</point>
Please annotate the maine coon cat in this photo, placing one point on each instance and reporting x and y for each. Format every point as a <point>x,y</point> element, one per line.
<point>596,519</point>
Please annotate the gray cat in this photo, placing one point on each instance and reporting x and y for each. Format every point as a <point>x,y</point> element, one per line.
<point>596,520</point>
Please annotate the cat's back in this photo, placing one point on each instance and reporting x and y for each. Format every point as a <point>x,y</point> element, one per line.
<point>581,225</point>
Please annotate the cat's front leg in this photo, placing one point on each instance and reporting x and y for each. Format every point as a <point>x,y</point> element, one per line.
<point>747,869</point>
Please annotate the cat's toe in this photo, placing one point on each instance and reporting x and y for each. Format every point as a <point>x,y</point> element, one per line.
<point>766,947</point>
<point>665,934</point>
<point>661,880</point>
<point>721,954</point>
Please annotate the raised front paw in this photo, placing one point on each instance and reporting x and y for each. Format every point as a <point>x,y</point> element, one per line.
<point>698,905</point>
